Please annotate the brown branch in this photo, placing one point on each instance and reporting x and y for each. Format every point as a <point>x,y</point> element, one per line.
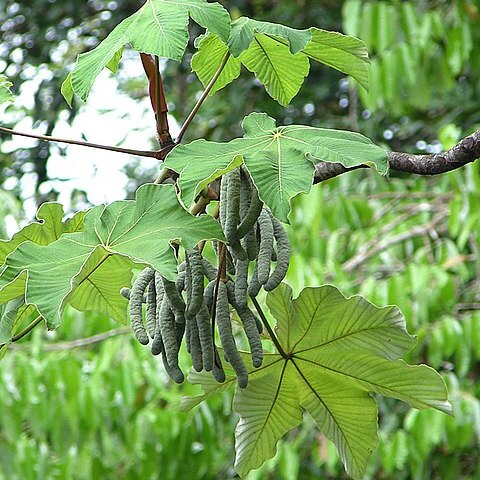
<point>46,138</point>
<point>464,152</point>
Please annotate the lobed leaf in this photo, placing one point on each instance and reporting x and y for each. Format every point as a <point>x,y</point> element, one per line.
<point>280,159</point>
<point>159,27</point>
<point>279,56</point>
<point>76,266</point>
<point>334,353</point>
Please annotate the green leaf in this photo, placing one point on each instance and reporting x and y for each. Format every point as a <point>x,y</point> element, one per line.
<point>334,353</point>
<point>8,317</point>
<point>279,56</point>
<point>347,54</point>
<point>48,228</point>
<point>281,72</point>
<point>280,159</point>
<point>211,51</point>
<point>244,29</point>
<point>140,231</point>
<point>6,94</point>
<point>159,27</point>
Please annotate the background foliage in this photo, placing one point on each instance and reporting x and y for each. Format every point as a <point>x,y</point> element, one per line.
<point>108,410</point>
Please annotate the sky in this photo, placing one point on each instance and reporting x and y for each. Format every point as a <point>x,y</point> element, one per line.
<point>131,124</point>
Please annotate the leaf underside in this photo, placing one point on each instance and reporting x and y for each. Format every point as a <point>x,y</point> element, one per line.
<point>280,159</point>
<point>336,352</point>
<point>88,268</point>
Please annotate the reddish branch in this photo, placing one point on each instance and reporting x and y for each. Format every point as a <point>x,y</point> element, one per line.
<point>464,152</point>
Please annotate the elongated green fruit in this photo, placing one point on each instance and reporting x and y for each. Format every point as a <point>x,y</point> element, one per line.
<point>151,310</point>
<point>195,346</point>
<point>237,251</point>
<point>223,201</point>
<point>205,335</point>
<point>265,227</point>
<point>173,371</point>
<point>226,336</point>
<point>157,344</point>
<point>177,304</point>
<point>208,294</point>
<point>180,282</point>
<point>209,270</point>
<point>125,292</point>
<point>251,324</point>
<point>254,286</point>
<point>252,214</point>
<point>218,372</point>
<point>233,205</point>
<point>250,244</point>
<point>179,332</point>
<point>241,282</point>
<point>283,255</point>
<point>136,297</point>
<point>195,262</point>
<point>166,319</point>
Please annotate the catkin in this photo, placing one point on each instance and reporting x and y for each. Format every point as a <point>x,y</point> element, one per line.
<point>226,337</point>
<point>265,227</point>
<point>196,282</point>
<point>283,255</point>
<point>205,336</point>
<point>251,325</point>
<point>166,319</point>
<point>233,205</point>
<point>151,310</point>
<point>136,297</point>
<point>241,282</point>
<point>195,346</point>
<point>175,300</point>
<point>254,208</point>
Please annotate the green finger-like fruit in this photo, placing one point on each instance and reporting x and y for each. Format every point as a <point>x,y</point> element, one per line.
<point>196,280</point>
<point>226,337</point>
<point>166,320</point>
<point>283,256</point>
<point>241,282</point>
<point>205,334</point>
<point>265,227</point>
<point>233,205</point>
<point>136,298</point>
<point>151,310</point>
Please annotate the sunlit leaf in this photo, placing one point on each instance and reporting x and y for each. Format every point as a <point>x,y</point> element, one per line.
<point>279,56</point>
<point>140,231</point>
<point>280,159</point>
<point>48,228</point>
<point>333,353</point>
<point>159,27</point>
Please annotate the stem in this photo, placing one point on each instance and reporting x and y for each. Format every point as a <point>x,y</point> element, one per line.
<point>25,331</point>
<point>47,138</point>
<point>269,328</point>
<point>200,101</point>
<point>158,102</point>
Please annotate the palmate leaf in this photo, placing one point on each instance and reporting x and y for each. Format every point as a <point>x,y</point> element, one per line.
<point>48,228</point>
<point>6,94</point>
<point>279,56</point>
<point>334,353</point>
<point>280,159</point>
<point>138,231</point>
<point>159,27</point>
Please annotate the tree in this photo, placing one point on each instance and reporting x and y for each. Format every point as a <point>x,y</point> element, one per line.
<point>326,154</point>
